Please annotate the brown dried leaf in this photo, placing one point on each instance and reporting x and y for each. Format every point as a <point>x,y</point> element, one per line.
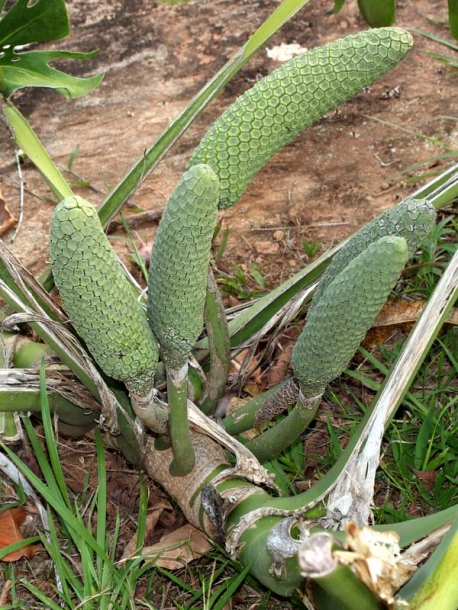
<point>398,312</point>
<point>11,521</point>
<point>152,518</point>
<point>243,362</point>
<point>177,549</point>
<point>377,336</point>
<point>7,220</point>
<point>252,389</point>
<point>400,315</point>
<point>427,476</point>
<point>278,371</point>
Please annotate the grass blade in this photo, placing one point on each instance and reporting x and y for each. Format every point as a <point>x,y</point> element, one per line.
<point>57,502</point>
<point>56,474</point>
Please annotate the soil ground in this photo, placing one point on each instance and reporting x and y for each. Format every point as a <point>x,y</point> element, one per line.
<point>334,178</point>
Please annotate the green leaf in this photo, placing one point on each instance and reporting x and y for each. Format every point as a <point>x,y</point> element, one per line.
<point>38,22</point>
<point>28,141</point>
<point>338,4</point>
<point>434,584</point>
<point>378,13</point>
<point>272,24</point>
<point>453,18</point>
<point>42,21</point>
<point>31,69</point>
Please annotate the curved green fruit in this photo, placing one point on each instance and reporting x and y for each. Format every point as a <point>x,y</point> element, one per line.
<point>98,297</point>
<point>280,106</point>
<point>411,219</point>
<point>179,264</point>
<point>337,324</point>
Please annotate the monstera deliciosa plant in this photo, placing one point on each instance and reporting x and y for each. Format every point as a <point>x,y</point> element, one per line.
<point>127,357</point>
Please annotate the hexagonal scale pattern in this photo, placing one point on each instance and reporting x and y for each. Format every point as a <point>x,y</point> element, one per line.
<point>290,99</point>
<point>179,264</point>
<point>411,219</point>
<point>98,297</point>
<point>337,324</point>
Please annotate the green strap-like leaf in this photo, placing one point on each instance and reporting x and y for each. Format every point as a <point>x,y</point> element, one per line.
<point>28,141</point>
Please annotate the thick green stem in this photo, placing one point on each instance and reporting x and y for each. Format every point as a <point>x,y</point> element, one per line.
<point>254,551</point>
<point>342,588</point>
<point>243,419</point>
<point>184,457</point>
<point>252,510</point>
<point>219,346</point>
<point>274,440</point>
<point>344,591</point>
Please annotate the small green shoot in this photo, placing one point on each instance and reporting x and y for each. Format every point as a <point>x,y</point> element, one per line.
<point>72,157</point>
<point>222,244</point>
<point>311,247</point>
<point>244,284</point>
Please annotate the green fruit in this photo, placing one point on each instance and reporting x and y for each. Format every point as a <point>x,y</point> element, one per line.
<point>412,219</point>
<point>280,106</point>
<point>98,297</point>
<point>338,322</point>
<point>30,354</point>
<point>179,264</point>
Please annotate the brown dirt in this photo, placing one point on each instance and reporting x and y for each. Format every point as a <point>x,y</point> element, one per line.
<point>330,181</point>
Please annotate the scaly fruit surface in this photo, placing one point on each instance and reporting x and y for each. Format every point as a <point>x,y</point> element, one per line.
<point>280,106</point>
<point>337,324</point>
<point>179,264</point>
<point>411,219</point>
<point>98,297</point>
